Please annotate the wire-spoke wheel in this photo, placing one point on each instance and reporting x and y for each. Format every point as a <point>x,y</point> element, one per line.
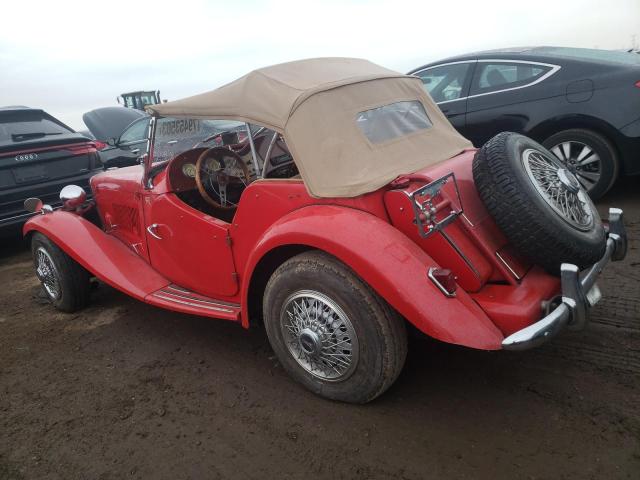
<point>319,335</point>
<point>65,282</point>
<point>560,188</point>
<point>331,331</point>
<point>47,273</point>
<point>538,203</point>
<point>589,156</point>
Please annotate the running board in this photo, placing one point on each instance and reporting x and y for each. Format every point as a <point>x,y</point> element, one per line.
<point>179,299</point>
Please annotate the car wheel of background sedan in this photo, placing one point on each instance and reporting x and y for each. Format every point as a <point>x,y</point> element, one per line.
<point>589,156</point>
<point>330,331</point>
<point>538,203</point>
<point>65,282</point>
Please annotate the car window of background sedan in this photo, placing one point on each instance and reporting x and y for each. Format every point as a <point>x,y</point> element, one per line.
<point>491,77</point>
<point>135,132</point>
<point>446,82</point>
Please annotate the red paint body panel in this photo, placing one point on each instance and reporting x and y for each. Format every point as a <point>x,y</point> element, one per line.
<point>112,262</point>
<point>472,274</point>
<point>514,307</point>
<point>194,251</point>
<point>476,220</point>
<point>398,274</point>
<point>119,201</point>
<point>103,255</point>
<point>203,265</point>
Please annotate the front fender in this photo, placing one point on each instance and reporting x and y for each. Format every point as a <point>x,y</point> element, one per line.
<point>104,256</point>
<point>394,266</point>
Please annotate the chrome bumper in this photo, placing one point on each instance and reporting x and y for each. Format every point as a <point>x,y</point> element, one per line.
<point>573,311</point>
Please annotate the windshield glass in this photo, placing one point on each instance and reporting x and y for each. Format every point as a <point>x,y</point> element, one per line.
<point>176,135</point>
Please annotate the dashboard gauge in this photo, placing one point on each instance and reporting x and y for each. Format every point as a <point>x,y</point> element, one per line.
<point>212,165</point>
<point>189,170</point>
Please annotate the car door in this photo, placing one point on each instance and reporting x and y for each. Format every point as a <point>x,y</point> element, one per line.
<point>189,247</point>
<point>129,147</point>
<point>448,85</point>
<point>503,94</point>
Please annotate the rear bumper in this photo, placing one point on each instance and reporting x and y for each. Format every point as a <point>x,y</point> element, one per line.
<point>578,290</point>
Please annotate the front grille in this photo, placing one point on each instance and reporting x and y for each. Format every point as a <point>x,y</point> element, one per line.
<point>126,218</point>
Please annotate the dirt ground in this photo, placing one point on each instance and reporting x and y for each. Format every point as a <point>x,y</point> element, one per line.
<point>126,390</point>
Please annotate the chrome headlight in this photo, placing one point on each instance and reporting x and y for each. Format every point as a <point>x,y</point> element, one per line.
<point>72,196</point>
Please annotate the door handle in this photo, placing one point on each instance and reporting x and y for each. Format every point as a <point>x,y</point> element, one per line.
<point>135,151</point>
<point>152,231</point>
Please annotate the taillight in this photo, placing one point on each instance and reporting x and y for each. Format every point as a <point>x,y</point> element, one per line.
<point>100,145</point>
<point>444,279</point>
<point>82,149</point>
<point>637,84</point>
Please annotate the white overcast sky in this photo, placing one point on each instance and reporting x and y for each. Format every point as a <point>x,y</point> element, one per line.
<point>69,57</point>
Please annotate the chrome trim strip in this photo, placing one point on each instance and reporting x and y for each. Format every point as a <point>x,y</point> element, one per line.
<point>28,214</point>
<point>169,299</point>
<point>267,158</point>
<point>459,252</point>
<point>147,179</point>
<point>467,219</point>
<point>188,295</point>
<point>190,298</point>
<point>438,284</point>
<point>504,262</point>
<point>443,65</point>
<point>553,69</point>
<point>254,153</point>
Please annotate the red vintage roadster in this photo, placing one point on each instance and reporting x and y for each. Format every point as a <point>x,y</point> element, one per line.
<point>332,200</point>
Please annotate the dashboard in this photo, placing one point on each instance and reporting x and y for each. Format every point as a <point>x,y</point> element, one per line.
<point>181,172</point>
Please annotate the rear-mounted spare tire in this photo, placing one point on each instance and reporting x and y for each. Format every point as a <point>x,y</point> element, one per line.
<point>539,205</point>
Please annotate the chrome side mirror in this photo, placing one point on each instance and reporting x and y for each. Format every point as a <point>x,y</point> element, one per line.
<point>72,196</point>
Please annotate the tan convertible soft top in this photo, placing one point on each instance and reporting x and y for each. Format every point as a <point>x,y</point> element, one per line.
<point>317,104</point>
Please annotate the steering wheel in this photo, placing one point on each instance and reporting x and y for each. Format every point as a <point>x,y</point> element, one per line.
<point>221,177</point>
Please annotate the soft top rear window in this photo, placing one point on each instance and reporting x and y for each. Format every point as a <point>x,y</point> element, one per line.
<point>391,121</point>
<point>21,125</point>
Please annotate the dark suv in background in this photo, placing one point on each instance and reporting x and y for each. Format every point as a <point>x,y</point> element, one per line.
<point>38,156</point>
<point>582,104</point>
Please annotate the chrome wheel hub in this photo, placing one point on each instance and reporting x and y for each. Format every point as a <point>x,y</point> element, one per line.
<point>581,160</point>
<point>568,180</point>
<point>47,273</point>
<point>310,342</point>
<point>560,188</point>
<point>319,335</point>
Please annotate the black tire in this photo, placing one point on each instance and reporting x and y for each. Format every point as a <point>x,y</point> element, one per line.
<point>525,217</point>
<point>381,337</point>
<point>609,165</point>
<point>73,281</point>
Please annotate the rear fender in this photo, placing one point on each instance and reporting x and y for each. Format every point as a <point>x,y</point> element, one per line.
<point>394,266</point>
<point>104,256</point>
